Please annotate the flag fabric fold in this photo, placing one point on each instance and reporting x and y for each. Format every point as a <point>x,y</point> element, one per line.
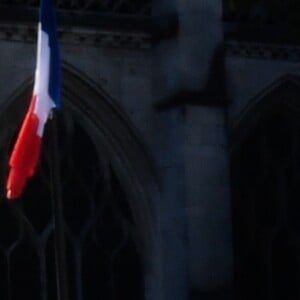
<point>46,97</point>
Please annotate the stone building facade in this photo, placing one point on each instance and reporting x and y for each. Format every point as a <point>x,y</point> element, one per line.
<point>174,132</point>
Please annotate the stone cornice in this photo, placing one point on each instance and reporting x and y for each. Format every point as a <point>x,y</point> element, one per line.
<point>126,7</point>
<point>75,36</point>
<point>263,51</point>
<point>96,29</point>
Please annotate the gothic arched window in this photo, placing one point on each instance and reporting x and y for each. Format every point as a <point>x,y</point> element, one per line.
<point>106,235</point>
<point>265,185</point>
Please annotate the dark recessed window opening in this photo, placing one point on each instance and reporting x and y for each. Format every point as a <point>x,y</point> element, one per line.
<point>265,177</point>
<point>102,257</point>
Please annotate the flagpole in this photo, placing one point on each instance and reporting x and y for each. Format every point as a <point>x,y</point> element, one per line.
<point>57,204</point>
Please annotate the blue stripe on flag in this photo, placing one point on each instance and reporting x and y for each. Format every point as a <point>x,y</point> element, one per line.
<point>48,24</point>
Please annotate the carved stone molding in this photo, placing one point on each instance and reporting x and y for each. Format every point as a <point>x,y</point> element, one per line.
<point>105,23</point>
<point>82,36</point>
<point>263,51</point>
<point>129,7</point>
<point>262,12</point>
<point>90,28</point>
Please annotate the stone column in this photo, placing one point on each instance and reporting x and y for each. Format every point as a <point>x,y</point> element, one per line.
<point>169,155</point>
<point>196,164</point>
<point>205,151</point>
<point>208,199</point>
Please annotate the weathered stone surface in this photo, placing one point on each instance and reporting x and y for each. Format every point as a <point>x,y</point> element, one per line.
<point>188,144</point>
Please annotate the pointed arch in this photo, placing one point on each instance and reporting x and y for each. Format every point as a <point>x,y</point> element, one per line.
<point>114,137</point>
<point>265,175</point>
<point>284,91</point>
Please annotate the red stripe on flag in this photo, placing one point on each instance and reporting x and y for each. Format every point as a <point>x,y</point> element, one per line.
<point>25,156</point>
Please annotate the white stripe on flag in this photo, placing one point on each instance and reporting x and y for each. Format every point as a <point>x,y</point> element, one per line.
<point>44,103</point>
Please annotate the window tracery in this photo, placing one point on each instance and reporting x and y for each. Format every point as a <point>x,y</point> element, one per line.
<point>265,186</point>
<point>98,227</point>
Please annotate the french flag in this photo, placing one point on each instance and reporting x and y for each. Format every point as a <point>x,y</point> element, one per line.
<point>46,97</point>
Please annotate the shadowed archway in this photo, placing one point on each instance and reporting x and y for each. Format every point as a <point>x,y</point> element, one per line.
<point>265,176</point>
<point>109,192</point>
